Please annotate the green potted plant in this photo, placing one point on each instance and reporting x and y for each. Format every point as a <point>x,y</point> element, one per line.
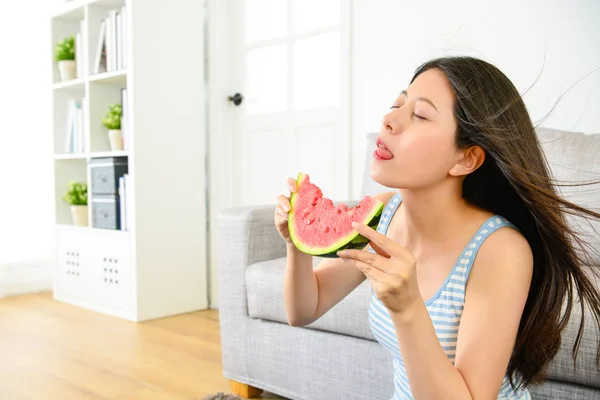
<point>112,121</point>
<point>64,54</point>
<point>77,197</point>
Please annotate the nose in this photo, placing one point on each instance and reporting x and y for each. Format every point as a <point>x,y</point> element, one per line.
<point>391,121</point>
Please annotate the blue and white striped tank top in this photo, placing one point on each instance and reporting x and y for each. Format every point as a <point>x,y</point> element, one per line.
<point>445,307</point>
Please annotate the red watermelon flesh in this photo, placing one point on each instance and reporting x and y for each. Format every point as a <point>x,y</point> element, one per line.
<point>319,227</point>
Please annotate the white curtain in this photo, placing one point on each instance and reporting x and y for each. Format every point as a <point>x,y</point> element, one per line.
<point>26,187</point>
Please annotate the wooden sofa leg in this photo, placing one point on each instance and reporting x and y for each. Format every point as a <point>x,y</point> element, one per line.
<point>243,390</point>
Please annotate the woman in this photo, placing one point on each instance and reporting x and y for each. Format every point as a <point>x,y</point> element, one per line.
<point>473,262</point>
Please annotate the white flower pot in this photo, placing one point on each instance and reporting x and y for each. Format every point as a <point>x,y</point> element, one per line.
<point>80,215</point>
<point>116,139</point>
<point>67,69</point>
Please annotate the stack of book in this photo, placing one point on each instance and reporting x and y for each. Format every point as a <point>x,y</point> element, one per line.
<point>74,140</point>
<point>111,51</point>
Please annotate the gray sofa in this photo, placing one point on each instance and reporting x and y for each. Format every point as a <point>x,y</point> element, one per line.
<point>337,357</point>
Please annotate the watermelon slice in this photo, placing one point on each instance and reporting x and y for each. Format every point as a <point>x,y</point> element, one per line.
<point>320,228</point>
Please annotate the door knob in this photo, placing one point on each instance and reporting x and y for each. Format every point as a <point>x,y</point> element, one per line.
<point>236,99</point>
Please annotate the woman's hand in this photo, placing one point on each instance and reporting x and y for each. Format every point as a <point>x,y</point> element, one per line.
<point>282,210</point>
<point>391,270</point>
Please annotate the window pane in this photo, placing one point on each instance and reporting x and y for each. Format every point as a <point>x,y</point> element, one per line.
<point>265,19</point>
<point>309,15</point>
<point>317,72</point>
<point>266,79</point>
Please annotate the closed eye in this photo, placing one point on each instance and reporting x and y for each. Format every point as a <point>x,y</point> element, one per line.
<point>414,115</point>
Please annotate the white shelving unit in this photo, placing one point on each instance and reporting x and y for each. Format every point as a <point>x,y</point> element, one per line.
<point>157,267</point>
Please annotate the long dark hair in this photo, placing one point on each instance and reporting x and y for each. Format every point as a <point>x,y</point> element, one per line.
<point>514,181</point>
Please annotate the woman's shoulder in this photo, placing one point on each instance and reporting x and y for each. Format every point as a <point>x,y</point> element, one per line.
<point>506,237</point>
<point>502,234</point>
<point>504,252</point>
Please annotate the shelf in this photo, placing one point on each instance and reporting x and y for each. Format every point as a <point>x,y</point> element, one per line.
<point>98,154</point>
<point>107,3</point>
<point>85,255</point>
<point>70,156</point>
<point>119,77</point>
<point>72,10</point>
<point>74,84</point>
<point>84,229</point>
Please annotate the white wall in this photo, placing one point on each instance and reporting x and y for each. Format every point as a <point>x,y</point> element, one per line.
<point>25,147</point>
<point>391,38</point>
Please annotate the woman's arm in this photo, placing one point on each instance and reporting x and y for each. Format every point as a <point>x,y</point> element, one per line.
<point>494,300</point>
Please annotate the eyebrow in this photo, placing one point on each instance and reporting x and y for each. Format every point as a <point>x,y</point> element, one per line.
<point>425,99</point>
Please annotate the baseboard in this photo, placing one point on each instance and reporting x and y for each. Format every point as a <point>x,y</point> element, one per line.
<point>25,277</point>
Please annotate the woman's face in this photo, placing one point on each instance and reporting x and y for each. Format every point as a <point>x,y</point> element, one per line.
<point>418,135</point>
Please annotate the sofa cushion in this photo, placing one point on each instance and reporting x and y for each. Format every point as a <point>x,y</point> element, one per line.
<point>264,286</point>
<point>556,390</point>
<point>574,157</point>
<point>264,282</point>
<point>587,371</point>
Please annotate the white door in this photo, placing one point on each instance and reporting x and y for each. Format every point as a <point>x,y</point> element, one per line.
<point>289,61</point>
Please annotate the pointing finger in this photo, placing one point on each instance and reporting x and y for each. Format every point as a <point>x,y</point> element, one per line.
<point>369,270</point>
<point>368,258</point>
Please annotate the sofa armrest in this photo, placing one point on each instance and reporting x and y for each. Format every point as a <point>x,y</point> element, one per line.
<point>246,235</point>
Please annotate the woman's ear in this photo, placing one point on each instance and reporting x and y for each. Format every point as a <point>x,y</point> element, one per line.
<point>470,159</point>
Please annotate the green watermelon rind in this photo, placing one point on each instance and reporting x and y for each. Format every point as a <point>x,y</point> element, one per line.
<point>359,242</point>
<point>352,241</point>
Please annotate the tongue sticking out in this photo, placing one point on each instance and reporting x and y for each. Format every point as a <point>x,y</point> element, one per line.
<point>384,153</point>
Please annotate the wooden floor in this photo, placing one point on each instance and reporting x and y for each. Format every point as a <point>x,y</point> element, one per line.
<point>54,351</point>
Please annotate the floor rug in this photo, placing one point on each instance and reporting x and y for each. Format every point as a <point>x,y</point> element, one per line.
<point>222,396</point>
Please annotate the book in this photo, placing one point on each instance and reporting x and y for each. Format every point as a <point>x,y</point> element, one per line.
<point>123,47</point>
<point>123,202</point>
<point>100,64</point>
<point>124,119</point>
<point>75,127</point>
<point>79,54</point>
